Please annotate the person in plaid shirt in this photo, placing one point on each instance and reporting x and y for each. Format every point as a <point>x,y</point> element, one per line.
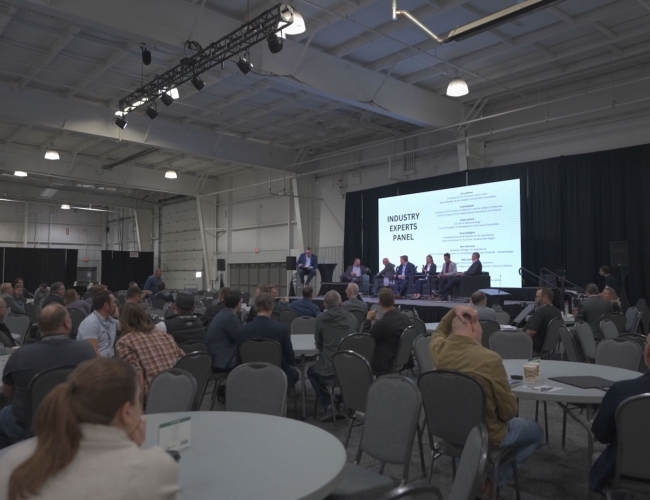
<point>147,349</point>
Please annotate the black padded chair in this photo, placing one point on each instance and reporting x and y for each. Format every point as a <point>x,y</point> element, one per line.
<point>471,283</point>
<point>41,385</point>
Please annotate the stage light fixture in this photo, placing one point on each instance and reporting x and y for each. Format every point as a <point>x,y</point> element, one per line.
<point>457,88</point>
<point>20,173</point>
<point>166,99</point>
<point>198,83</point>
<point>51,155</point>
<point>244,65</point>
<point>298,25</point>
<point>120,122</point>
<point>171,174</point>
<point>275,43</point>
<point>173,92</point>
<point>65,207</point>
<point>151,111</point>
<point>146,56</point>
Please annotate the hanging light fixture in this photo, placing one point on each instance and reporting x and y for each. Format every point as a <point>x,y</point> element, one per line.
<point>171,174</point>
<point>244,65</point>
<point>457,87</point>
<point>198,82</point>
<point>20,173</point>
<point>120,122</point>
<point>65,207</point>
<point>51,155</point>
<point>298,25</point>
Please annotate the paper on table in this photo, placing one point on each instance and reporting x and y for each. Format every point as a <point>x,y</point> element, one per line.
<point>544,388</point>
<point>175,435</point>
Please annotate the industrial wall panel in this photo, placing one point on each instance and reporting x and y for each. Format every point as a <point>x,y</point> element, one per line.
<point>244,214</point>
<point>274,238</point>
<point>244,241</point>
<point>273,209</point>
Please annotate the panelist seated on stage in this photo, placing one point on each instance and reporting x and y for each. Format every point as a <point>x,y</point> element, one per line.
<point>402,274</point>
<point>428,270</point>
<point>545,312</point>
<point>448,270</point>
<point>354,272</point>
<point>307,264</point>
<point>383,276</point>
<point>451,281</point>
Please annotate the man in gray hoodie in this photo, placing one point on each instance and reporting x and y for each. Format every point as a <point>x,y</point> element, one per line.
<point>331,326</point>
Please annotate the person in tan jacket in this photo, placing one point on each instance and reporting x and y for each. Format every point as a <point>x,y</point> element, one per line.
<point>456,345</point>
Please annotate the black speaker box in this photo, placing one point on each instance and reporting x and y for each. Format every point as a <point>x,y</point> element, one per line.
<point>291,263</point>
<point>221,264</point>
<point>618,254</point>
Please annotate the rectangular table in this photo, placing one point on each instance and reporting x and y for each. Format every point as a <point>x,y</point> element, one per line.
<point>303,346</point>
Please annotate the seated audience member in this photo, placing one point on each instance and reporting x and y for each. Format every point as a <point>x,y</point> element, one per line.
<point>72,301</point>
<point>452,281</point>
<point>7,293</point>
<point>479,302</point>
<point>162,295</point>
<point>354,272</point>
<point>403,273</point>
<point>456,345</point>
<point>428,270</point>
<point>90,285</point>
<point>89,431</point>
<point>100,327</point>
<point>215,308</point>
<point>264,327</point>
<point>354,303</point>
<point>183,325</point>
<point>305,306</point>
<point>610,280</point>
<point>223,332</point>
<point>279,304</point>
<point>5,335</point>
<point>604,425</point>
<point>134,295</point>
<point>54,350</point>
<point>41,292</point>
<point>592,308</point>
<point>143,347</point>
<point>251,311</point>
<point>609,294</point>
<point>331,326</point>
<point>20,283</point>
<point>544,313</point>
<point>386,331</point>
<point>98,287</point>
<point>18,295</point>
<point>383,276</point>
<point>57,291</point>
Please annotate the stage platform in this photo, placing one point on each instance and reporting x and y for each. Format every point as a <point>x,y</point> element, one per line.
<point>431,311</point>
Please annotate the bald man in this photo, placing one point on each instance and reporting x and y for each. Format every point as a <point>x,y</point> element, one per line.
<point>604,426</point>
<point>354,303</point>
<point>456,345</point>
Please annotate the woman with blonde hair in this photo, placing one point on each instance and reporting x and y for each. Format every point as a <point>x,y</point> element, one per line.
<point>609,294</point>
<point>148,350</point>
<point>88,436</point>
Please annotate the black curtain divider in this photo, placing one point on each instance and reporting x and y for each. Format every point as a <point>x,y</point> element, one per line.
<point>119,268</point>
<point>571,208</point>
<point>35,266</point>
<point>71,266</point>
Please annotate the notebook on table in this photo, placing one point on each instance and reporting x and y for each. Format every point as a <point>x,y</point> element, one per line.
<point>585,382</point>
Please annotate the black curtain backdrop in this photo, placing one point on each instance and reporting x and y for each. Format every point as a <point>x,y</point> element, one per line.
<point>119,269</point>
<point>71,266</point>
<point>571,208</point>
<point>36,266</point>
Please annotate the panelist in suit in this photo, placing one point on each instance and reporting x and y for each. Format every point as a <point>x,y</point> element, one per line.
<point>448,271</point>
<point>403,272</point>
<point>475,269</point>
<point>592,308</point>
<point>354,272</point>
<point>387,273</point>
<point>307,264</point>
<point>428,270</point>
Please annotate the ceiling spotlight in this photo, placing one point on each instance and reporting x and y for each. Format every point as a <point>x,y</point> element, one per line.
<point>173,93</point>
<point>297,27</point>
<point>171,174</point>
<point>457,88</point>
<point>197,82</point>
<point>20,173</point>
<point>65,207</point>
<point>166,99</point>
<point>275,43</point>
<point>120,122</point>
<point>146,56</point>
<point>151,110</point>
<point>51,155</point>
<point>244,65</point>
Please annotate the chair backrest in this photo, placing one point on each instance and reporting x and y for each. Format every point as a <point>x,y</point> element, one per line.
<point>304,325</point>
<point>257,388</point>
<point>633,436</point>
<point>632,319</point>
<point>260,350</point>
<point>245,297</point>
<point>354,375</point>
<point>521,317</point>
<point>404,348</point>
<point>489,327</point>
<point>586,339</point>
<point>410,313</point>
<point>620,353</point>
<point>617,318</point>
<point>422,355</point>
<point>192,346</point>
<point>418,324</point>
<point>643,308</point>
<point>503,318</point>
<point>18,325</point>
<point>199,364</point>
<point>360,317</point>
<point>41,385</point>
<point>158,313</point>
<point>452,418</point>
<point>287,316</point>
<point>608,329</point>
<point>76,316</point>
<point>361,343</point>
<point>552,336</point>
<point>392,414</point>
<point>571,348</point>
<point>170,391</point>
<point>472,464</point>
<point>158,304</point>
<point>380,311</point>
<point>30,311</point>
<point>512,345</point>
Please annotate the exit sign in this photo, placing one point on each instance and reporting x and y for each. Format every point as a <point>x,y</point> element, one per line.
<point>134,254</point>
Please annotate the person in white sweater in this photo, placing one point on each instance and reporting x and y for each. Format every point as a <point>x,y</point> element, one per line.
<point>88,436</point>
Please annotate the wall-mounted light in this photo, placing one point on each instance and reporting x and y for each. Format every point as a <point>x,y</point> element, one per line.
<point>171,174</point>
<point>20,173</point>
<point>65,207</point>
<point>199,274</point>
<point>51,155</point>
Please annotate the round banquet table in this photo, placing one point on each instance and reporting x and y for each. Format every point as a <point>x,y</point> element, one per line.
<point>247,455</point>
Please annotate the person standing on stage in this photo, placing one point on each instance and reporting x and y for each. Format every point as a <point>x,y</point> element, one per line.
<point>307,264</point>
<point>449,269</point>
<point>610,280</point>
<point>429,270</point>
<point>403,272</point>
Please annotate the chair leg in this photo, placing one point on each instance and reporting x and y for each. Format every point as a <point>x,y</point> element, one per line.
<point>495,476</point>
<point>515,474</point>
<point>536,411</point>
<point>453,468</point>
<point>433,455</point>
<point>424,469</point>
<point>315,406</point>
<point>347,440</point>
<point>546,420</point>
<point>563,429</point>
<point>331,392</point>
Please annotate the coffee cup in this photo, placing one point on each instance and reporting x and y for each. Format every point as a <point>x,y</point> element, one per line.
<point>531,372</point>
